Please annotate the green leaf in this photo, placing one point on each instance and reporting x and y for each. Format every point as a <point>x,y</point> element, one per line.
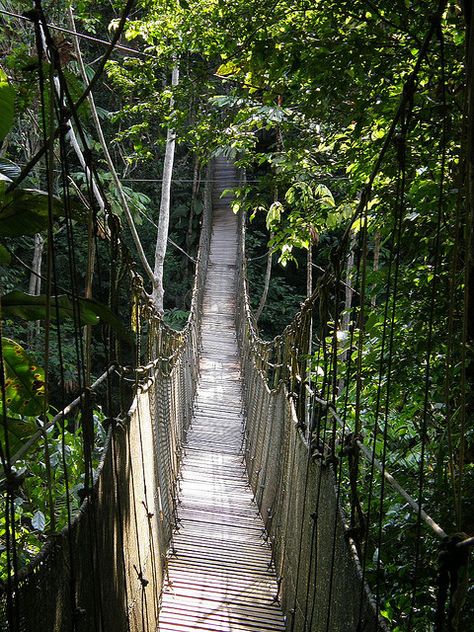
<point>227,68</point>
<point>7,103</point>
<point>29,307</point>
<point>24,381</point>
<point>38,521</point>
<point>26,211</point>
<point>325,195</point>
<point>5,256</point>
<point>106,315</point>
<point>274,214</point>
<point>19,430</point>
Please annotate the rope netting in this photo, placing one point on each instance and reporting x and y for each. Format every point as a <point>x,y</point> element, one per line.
<point>320,581</point>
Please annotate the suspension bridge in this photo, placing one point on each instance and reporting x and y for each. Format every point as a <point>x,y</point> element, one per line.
<point>215,507</point>
<point>249,485</point>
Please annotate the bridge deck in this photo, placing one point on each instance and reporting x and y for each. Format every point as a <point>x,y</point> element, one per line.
<point>219,577</point>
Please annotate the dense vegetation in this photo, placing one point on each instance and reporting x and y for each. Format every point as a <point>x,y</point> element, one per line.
<point>304,96</point>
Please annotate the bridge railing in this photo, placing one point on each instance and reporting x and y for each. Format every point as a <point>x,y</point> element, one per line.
<point>320,581</point>
<point>105,572</point>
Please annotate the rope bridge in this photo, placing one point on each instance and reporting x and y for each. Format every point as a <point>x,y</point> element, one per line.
<point>167,534</point>
<point>157,543</point>
<point>107,571</point>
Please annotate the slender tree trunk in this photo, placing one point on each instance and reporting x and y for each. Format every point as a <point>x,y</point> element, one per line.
<point>377,244</point>
<point>346,316</point>
<point>34,286</point>
<point>266,283</point>
<point>164,219</point>
<point>268,269</point>
<point>467,377</point>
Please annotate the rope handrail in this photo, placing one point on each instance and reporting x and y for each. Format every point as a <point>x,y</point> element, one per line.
<point>280,466</point>
<point>255,343</point>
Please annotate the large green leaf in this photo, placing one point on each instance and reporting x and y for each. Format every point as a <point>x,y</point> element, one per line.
<point>19,430</point>
<point>29,307</point>
<point>7,104</point>
<point>26,211</point>
<point>107,316</point>
<point>24,381</point>
<point>5,256</point>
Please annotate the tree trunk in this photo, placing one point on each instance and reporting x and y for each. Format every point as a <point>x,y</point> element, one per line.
<point>468,10</point>
<point>164,219</point>
<point>34,286</point>
<point>467,377</point>
<point>268,270</point>
<point>346,315</point>
<point>266,284</point>
<point>377,244</point>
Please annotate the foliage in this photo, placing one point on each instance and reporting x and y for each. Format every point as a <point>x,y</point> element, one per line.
<point>286,291</point>
<point>24,381</point>
<point>33,516</point>
<point>7,99</point>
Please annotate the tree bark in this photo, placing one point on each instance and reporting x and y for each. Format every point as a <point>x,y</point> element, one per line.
<point>266,284</point>
<point>164,219</point>
<point>377,245</point>
<point>346,315</point>
<point>467,378</point>
<point>34,286</point>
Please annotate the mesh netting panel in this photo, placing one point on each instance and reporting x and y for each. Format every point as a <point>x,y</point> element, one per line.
<point>105,573</point>
<point>314,557</point>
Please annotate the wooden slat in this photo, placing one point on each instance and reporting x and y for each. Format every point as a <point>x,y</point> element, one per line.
<point>220,571</point>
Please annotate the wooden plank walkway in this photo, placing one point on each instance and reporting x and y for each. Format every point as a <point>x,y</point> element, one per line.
<point>219,575</point>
